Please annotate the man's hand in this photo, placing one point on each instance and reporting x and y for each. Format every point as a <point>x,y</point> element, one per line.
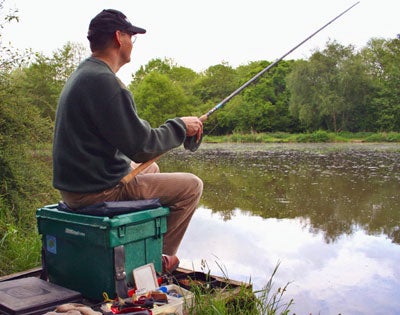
<point>194,126</point>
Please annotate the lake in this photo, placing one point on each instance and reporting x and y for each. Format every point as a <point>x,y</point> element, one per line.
<point>328,215</point>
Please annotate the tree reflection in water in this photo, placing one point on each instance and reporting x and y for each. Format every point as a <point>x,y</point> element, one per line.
<point>337,188</point>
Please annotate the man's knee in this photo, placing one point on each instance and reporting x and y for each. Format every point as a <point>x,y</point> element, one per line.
<point>197,183</point>
<point>196,186</point>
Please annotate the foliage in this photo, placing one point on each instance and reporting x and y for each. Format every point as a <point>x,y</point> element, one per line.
<point>25,174</point>
<point>10,57</point>
<point>232,300</point>
<point>265,104</point>
<point>383,57</point>
<point>154,65</point>
<point>29,88</point>
<point>384,137</point>
<point>163,90</point>
<point>19,245</point>
<point>158,94</point>
<point>331,89</point>
<point>336,89</point>
<point>319,136</point>
<point>41,82</point>
<point>211,88</point>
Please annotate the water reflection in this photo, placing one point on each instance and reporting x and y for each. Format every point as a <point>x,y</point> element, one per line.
<point>329,214</point>
<point>336,189</point>
<point>357,274</point>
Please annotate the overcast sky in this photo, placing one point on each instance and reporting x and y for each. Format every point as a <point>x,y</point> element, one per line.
<point>199,34</point>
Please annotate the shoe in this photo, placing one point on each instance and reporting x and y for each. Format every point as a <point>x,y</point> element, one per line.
<point>169,263</point>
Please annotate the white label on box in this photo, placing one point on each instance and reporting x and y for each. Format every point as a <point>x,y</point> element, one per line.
<point>73,232</point>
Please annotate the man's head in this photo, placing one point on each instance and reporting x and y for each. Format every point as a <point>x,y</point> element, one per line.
<point>104,25</point>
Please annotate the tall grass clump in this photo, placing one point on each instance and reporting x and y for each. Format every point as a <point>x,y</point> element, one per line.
<point>239,300</point>
<point>384,137</point>
<point>317,136</point>
<point>353,135</point>
<point>393,137</point>
<point>25,187</point>
<point>272,302</point>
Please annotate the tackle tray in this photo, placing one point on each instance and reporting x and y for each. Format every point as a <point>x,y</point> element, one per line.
<point>31,296</point>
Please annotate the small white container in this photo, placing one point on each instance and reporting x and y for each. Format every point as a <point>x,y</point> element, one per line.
<point>174,307</point>
<point>186,296</point>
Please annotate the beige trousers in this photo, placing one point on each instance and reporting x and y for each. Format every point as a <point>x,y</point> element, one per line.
<point>180,192</point>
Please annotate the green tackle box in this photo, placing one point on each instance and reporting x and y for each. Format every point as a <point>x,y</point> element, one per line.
<point>78,250</point>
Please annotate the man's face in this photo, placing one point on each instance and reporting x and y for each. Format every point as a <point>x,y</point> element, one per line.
<point>127,41</point>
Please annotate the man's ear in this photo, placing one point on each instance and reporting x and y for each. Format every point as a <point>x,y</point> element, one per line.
<point>118,37</point>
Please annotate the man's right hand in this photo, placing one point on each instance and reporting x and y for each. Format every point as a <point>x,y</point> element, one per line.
<point>194,126</point>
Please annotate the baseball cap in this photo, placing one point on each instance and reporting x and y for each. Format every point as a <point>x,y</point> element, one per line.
<point>110,20</point>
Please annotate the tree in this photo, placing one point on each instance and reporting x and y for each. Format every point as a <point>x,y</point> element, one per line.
<point>383,58</point>
<point>10,57</point>
<point>187,78</point>
<point>216,83</point>
<point>24,166</point>
<point>302,83</point>
<point>180,78</point>
<point>213,85</point>
<point>357,88</point>
<point>158,99</point>
<point>265,103</point>
<point>329,89</point>
<point>154,65</point>
<point>42,81</point>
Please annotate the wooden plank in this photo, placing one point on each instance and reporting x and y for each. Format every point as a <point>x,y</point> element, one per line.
<point>34,272</point>
<point>221,279</point>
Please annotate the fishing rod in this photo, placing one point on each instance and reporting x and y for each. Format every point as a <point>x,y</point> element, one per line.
<point>192,144</point>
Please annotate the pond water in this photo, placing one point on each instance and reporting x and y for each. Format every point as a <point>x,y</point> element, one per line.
<point>328,215</point>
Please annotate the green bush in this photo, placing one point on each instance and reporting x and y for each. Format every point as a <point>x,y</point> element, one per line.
<point>317,136</point>
<point>376,137</point>
<point>26,185</point>
<point>384,137</point>
<point>393,137</point>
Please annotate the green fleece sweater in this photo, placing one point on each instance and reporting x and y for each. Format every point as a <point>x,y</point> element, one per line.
<point>98,132</point>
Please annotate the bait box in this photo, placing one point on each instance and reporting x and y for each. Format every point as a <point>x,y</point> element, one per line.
<point>78,250</point>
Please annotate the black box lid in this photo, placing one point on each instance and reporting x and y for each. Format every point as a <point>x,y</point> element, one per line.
<point>33,296</point>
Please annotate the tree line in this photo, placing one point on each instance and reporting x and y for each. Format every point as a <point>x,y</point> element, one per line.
<point>336,89</point>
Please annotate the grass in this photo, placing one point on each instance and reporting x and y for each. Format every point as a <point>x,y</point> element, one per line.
<point>21,250</point>
<point>319,136</point>
<point>240,300</point>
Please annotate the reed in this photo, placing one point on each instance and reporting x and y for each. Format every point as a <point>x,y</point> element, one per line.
<point>241,300</point>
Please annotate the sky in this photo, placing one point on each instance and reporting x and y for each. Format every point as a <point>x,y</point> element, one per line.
<point>199,34</point>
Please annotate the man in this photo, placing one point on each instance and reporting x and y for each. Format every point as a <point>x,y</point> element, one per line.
<point>99,137</point>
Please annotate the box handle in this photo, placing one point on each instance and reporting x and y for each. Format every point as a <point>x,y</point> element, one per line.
<point>121,286</point>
